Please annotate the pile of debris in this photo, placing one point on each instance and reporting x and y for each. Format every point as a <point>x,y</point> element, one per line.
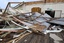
<point>26,23</point>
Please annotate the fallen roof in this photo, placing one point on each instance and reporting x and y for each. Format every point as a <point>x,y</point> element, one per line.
<point>59,21</point>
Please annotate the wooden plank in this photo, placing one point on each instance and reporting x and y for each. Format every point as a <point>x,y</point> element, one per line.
<point>6,7</point>
<point>62,0</point>
<point>47,1</point>
<point>15,2</point>
<point>52,1</point>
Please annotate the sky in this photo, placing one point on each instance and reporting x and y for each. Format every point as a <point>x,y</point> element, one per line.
<point>3,3</point>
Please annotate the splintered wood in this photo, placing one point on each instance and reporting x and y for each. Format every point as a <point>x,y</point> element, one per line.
<point>37,27</point>
<point>19,38</point>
